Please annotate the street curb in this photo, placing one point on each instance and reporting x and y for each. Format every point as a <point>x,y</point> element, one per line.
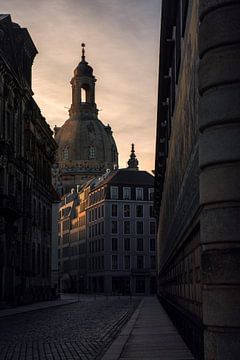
<point>116,348</point>
<point>36,309</point>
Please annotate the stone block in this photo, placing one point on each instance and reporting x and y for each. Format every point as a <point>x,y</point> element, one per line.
<point>220,225</point>
<point>219,106</point>
<point>222,344</point>
<point>219,144</point>
<point>220,184</point>
<point>205,6</point>
<point>221,266</point>
<point>219,28</point>
<point>219,67</point>
<point>221,305</point>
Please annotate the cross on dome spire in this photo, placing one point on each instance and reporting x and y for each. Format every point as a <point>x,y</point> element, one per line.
<point>83,51</point>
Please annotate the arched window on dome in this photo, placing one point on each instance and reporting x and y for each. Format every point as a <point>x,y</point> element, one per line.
<point>65,153</point>
<point>92,152</point>
<point>85,93</point>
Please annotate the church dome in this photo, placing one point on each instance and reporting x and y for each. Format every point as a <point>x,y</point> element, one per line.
<point>86,143</point>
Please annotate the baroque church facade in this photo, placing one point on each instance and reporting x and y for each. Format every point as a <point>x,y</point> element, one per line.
<point>86,147</point>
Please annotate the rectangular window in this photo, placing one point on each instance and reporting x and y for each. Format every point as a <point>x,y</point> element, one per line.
<point>153,262</point>
<point>114,262</point>
<point>114,244</point>
<point>151,211</point>
<point>139,193</point>
<point>152,245</point>
<point>114,192</point>
<point>126,193</point>
<point>127,244</point>
<point>139,228</point>
<point>139,244</point>
<point>126,227</point>
<point>102,227</point>
<point>151,194</point>
<point>139,262</point>
<point>114,227</point>
<point>139,211</point>
<point>152,228</point>
<point>114,210</point>
<point>126,210</point>
<point>127,262</point>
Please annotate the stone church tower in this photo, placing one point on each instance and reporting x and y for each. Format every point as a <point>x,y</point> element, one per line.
<point>86,147</point>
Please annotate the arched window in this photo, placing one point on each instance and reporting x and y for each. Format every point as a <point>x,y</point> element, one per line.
<point>83,95</point>
<point>92,152</point>
<point>65,153</point>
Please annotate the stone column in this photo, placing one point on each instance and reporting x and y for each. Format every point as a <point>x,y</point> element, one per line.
<point>219,147</point>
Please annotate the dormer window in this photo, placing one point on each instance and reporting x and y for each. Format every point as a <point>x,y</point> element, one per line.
<point>92,152</point>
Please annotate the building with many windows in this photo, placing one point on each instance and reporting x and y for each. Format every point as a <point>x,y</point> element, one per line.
<point>26,154</point>
<point>116,250</point>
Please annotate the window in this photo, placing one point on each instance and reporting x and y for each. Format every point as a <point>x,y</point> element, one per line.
<point>152,244</point>
<point>92,152</point>
<point>153,262</point>
<point>83,95</point>
<point>65,153</point>
<point>152,228</point>
<point>139,262</point>
<point>151,194</point>
<point>114,210</point>
<point>151,211</point>
<point>126,227</point>
<point>126,244</point>
<point>114,227</point>
<point>139,244</point>
<point>126,210</point>
<point>103,227</point>
<point>114,192</point>
<point>126,193</point>
<point>126,262</point>
<point>114,262</point>
<point>139,227</point>
<point>139,211</point>
<point>114,244</point>
<point>139,193</point>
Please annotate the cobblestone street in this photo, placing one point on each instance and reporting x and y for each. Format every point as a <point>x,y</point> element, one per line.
<point>81,330</point>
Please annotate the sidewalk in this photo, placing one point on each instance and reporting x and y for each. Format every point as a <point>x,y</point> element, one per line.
<point>149,335</point>
<point>65,300</point>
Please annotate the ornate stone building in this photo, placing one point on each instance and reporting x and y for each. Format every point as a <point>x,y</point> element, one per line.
<point>86,146</point>
<point>26,155</point>
<point>107,234</point>
<point>197,173</point>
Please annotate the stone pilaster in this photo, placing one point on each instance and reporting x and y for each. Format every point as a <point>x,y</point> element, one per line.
<point>219,149</point>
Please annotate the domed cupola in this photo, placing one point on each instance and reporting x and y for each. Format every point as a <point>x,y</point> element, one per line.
<point>86,147</point>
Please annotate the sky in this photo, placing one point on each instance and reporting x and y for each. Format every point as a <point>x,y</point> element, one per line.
<point>122,46</point>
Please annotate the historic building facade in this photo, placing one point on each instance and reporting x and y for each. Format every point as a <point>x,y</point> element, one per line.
<point>86,146</point>
<point>197,173</point>
<point>107,234</point>
<point>26,155</point>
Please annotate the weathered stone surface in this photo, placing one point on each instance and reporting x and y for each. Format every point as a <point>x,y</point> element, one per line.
<point>219,145</point>
<point>220,343</point>
<point>220,183</point>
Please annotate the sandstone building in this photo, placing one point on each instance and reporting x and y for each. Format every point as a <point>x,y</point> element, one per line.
<point>86,147</point>
<point>197,173</point>
<point>107,234</point>
<point>26,155</point>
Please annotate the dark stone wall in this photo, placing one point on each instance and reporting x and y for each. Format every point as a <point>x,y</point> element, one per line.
<point>197,183</point>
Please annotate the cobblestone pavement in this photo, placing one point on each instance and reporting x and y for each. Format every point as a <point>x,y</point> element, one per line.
<point>77,331</point>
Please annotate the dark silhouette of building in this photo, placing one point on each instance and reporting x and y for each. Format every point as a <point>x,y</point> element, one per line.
<point>197,171</point>
<point>86,146</point>
<point>26,154</point>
